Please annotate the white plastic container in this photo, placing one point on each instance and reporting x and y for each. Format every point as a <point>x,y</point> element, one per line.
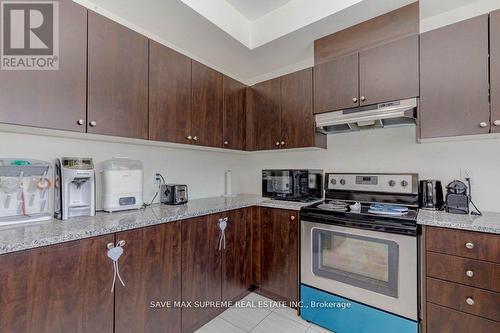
<point>26,191</point>
<point>122,183</point>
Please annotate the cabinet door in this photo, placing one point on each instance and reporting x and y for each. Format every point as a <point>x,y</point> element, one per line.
<point>389,72</point>
<point>169,94</point>
<point>117,79</point>
<point>58,289</point>
<point>207,113</point>
<point>151,269</point>
<point>52,98</point>
<point>234,114</point>
<point>454,80</point>
<point>336,84</point>
<point>236,260</point>
<point>297,120</point>
<point>201,269</point>
<point>267,114</point>
<point>495,70</point>
<point>279,267</point>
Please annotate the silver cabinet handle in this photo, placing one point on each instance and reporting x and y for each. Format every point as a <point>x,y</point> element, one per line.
<point>469,301</point>
<point>277,143</point>
<point>222,238</point>
<point>282,143</point>
<point>469,273</point>
<point>114,253</point>
<point>93,123</point>
<point>355,100</point>
<point>226,142</point>
<point>363,98</point>
<point>496,123</point>
<point>469,245</point>
<point>483,124</point>
<point>189,137</point>
<point>80,122</point>
<point>195,138</point>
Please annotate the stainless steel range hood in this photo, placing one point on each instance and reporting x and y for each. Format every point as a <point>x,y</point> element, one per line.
<point>391,114</point>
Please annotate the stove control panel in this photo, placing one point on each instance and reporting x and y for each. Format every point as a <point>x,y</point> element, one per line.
<point>387,183</point>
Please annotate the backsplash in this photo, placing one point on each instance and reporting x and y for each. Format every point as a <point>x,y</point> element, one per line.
<point>394,150</point>
<point>201,171</point>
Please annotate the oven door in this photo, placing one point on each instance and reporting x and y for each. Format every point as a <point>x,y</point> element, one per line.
<point>374,268</point>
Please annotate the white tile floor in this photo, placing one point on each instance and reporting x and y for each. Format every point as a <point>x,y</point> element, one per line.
<point>260,320</point>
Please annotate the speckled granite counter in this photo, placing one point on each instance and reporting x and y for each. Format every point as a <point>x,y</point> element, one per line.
<point>488,222</point>
<point>31,235</point>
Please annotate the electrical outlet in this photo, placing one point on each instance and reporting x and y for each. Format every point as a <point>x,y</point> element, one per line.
<point>157,178</point>
<point>467,173</point>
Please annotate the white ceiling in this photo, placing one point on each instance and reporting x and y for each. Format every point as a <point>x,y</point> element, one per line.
<point>284,36</point>
<point>254,9</point>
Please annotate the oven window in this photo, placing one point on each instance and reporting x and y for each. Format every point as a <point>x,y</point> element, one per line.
<point>365,262</point>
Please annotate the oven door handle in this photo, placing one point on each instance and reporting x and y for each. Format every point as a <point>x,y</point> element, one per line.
<point>380,225</point>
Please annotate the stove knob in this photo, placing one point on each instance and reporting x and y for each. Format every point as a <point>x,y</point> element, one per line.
<point>333,181</point>
<point>392,183</point>
<point>404,183</point>
<point>342,182</point>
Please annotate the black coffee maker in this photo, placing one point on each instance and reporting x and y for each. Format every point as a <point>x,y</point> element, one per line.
<point>457,199</point>
<point>431,195</point>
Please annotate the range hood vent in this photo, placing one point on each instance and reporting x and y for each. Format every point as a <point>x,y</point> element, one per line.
<point>392,114</point>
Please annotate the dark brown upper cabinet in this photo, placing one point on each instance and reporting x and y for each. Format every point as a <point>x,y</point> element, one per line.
<point>151,270</point>
<point>169,94</point>
<point>454,80</point>
<point>236,256</point>
<point>380,74</point>
<point>281,114</point>
<point>57,289</point>
<point>267,114</point>
<point>297,120</point>
<point>495,70</point>
<point>279,256</point>
<point>234,114</point>
<point>336,84</point>
<point>117,79</point>
<point>207,113</point>
<point>389,72</point>
<point>52,98</point>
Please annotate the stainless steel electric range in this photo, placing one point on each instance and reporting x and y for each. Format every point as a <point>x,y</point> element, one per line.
<point>359,254</point>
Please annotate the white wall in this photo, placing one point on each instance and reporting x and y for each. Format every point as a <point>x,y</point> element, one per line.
<point>202,171</point>
<point>394,150</point>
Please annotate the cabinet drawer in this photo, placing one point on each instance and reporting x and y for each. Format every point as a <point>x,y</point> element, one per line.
<point>444,320</point>
<point>483,303</point>
<point>462,243</point>
<point>471,272</point>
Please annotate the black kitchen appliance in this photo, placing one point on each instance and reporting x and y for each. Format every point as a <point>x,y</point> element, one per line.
<point>458,198</point>
<point>431,195</point>
<point>173,194</point>
<point>292,185</point>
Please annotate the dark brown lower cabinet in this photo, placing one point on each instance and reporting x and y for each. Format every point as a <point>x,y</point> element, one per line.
<point>446,320</point>
<point>58,289</point>
<point>236,257</point>
<point>201,269</point>
<point>151,269</point>
<point>279,254</point>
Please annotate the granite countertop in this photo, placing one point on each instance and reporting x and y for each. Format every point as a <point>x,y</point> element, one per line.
<point>488,222</point>
<point>36,234</point>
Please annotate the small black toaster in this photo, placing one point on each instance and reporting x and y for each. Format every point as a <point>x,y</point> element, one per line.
<point>173,194</point>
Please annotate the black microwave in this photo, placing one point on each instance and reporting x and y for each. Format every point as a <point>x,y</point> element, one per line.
<point>293,185</point>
